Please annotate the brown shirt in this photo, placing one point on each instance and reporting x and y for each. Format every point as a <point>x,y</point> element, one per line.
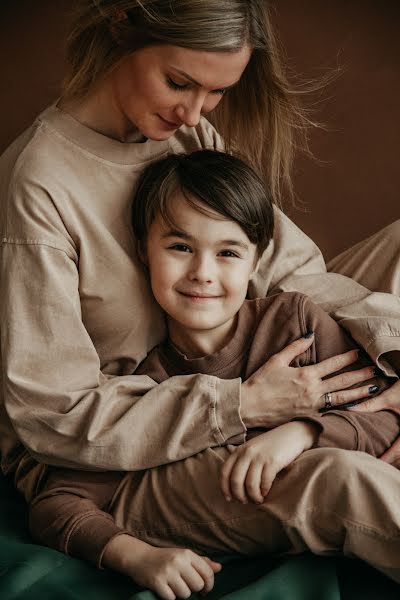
<point>67,514</point>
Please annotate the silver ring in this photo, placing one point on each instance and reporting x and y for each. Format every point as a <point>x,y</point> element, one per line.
<point>328,400</point>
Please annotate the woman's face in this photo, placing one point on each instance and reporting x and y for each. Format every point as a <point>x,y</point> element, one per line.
<point>159,88</point>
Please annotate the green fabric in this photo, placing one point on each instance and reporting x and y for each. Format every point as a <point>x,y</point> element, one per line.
<point>29,571</point>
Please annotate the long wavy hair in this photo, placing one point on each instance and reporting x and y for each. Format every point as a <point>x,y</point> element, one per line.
<point>260,117</point>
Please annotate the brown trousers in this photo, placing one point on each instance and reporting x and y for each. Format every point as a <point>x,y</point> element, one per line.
<point>329,501</point>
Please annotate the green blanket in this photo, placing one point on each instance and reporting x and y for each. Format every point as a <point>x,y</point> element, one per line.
<point>30,572</point>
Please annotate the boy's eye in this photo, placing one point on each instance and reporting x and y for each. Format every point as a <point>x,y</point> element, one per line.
<point>180,248</point>
<point>229,254</point>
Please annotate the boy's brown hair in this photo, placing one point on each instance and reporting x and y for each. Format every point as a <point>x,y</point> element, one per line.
<point>212,182</point>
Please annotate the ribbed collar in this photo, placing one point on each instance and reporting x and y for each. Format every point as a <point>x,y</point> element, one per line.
<point>174,361</point>
<point>124,153</point>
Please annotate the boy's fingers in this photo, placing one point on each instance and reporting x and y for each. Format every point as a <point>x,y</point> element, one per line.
<point>253,481</point>
<point>392,455</point>
<point>291,351</point>
<point>267,479</point>
<point>237,479</point>
<point>180,587</point>
<point>225,476</point>
<point>204,568</point>
<point>216,566</point>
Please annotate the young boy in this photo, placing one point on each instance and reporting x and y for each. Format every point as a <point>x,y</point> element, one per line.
<point>201,223</point>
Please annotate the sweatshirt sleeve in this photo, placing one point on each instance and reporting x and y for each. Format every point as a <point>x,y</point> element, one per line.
<point>63,408</point>
<point>70,513</point>
<point>373,432</point>
<point>292,262</point>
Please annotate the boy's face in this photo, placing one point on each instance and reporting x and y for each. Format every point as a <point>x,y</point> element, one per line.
<point>199,270</point>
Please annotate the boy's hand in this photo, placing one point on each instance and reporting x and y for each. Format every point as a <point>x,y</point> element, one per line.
<point>169,572</point>
<point>249,472</point>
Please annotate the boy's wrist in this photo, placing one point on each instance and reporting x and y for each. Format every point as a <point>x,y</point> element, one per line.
<point>306,432</point>
<point>123,551</point>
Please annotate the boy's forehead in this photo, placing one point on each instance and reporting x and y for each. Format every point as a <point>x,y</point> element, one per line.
<point>199,222</point>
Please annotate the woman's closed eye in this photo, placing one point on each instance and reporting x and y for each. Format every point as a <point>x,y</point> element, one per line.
<point>180,87</point>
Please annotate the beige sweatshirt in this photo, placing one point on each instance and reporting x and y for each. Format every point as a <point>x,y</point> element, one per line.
<point>77,314</point>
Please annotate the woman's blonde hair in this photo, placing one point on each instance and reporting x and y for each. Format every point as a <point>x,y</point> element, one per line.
<point>259,117</point>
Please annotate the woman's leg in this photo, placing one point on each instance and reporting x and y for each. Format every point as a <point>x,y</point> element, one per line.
<point>328,501</point>
<point>374,262</point>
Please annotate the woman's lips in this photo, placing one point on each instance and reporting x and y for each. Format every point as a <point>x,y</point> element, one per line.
<point>169,124</point>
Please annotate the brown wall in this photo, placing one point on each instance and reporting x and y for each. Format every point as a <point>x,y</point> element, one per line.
<point>351,189</point>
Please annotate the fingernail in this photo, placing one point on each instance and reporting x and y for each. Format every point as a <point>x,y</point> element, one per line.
<point>308,335</point>
<point>373,389</point>
<point>228,498</point>
<point>244,501</point>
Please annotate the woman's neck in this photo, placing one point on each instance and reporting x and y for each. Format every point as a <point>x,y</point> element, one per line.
<point>99,111</point>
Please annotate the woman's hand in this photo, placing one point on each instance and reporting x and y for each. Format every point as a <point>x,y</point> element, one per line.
<point>387,400</point>
<point>249,472</point>
<point>169,572</point>
<point>276,393</point>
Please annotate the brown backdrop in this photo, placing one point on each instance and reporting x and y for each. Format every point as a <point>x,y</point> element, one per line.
<point>351,189</point>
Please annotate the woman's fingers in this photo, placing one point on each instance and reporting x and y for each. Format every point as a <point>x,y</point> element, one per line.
<point>335,363</point>
<point>354,395</point>
<point>291,351</point>
<point>346,380</point>
<point>387,400</point>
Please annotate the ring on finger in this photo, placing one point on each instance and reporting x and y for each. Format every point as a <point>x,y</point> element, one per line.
<point>328,400</point>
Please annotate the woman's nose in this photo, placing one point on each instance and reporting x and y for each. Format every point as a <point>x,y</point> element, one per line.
<point>189,111</point>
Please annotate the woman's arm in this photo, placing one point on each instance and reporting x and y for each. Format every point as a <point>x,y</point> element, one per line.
<point>293,262</point>
<point>64,409</point>
<point>372,433</point>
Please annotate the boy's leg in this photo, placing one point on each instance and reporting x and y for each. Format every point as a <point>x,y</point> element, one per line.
<point>374,262</point>
<point>328,501</point>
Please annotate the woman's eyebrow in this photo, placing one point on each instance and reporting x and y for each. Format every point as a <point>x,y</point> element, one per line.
<point>184,74</point>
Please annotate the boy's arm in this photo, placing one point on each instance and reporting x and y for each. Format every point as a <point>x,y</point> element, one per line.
<point>373,432</point>
<point>67,515</point>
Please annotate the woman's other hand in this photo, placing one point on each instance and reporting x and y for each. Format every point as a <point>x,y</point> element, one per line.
<point>389,399</point>
<point>276,392</point>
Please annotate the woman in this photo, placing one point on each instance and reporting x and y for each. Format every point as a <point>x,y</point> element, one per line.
<point>77,313</point>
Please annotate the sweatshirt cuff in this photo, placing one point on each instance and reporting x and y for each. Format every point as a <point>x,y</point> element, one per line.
<point>229,423</point>
<point>89,536</point>
<point>377,349</point>
<point>331,434</point>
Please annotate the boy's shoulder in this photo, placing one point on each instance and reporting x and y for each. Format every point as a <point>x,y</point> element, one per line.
<point>286,301</point>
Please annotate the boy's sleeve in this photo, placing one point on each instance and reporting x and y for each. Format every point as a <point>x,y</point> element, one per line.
<point>67,515</point>
<point>369,432</point>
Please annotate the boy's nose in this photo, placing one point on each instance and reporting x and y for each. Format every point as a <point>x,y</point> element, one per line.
<point>201,270</point>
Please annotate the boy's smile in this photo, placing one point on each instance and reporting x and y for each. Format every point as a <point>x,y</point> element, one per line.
<point>199,272</point>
